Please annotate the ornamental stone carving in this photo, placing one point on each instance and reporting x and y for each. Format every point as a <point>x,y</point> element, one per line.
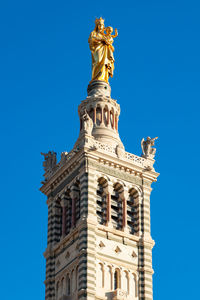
<point>147,149</point>
<point>120,151</point>
<point>87,123</point>
<point>50,161</point>
<point>63,158</point>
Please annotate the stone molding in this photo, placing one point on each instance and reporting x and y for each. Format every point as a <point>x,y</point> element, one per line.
<point>129,163</point>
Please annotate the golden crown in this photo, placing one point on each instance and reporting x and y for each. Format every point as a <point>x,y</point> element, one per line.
<point>99,21</point>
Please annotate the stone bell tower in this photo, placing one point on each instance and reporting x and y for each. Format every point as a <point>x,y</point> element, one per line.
<point>98,195</point>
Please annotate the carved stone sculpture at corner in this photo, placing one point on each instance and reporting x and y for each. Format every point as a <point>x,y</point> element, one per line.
<point>87,123</point>
<point>147,147</point>
<point>100,42</point>
<point>63,158</point>
<point>50,161</point>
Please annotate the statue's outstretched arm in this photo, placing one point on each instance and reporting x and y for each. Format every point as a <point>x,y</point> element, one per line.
<point>116,33</point>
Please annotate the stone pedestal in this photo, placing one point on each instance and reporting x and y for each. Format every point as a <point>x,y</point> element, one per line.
<point>99,88</point>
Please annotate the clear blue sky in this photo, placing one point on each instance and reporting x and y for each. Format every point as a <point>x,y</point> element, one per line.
<point>45,67</point>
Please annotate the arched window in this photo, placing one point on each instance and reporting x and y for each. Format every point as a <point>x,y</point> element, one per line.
<point>116,207</point>
<point>101,201</point>
<point>116,279</point>
<point>58,220</point>
<point>68,285</point>
<point>62,287</point>
<point>112,119</point>
<point>132,211</point>
<point>77,208</point>
<point>126,282</point>
<point>109,279</point>
<point>68,212</point>
<point>73,281</point>
<point>76,278</point>
<point>91,114</point>
<point>98,117</point>
<point>57,290</point>
<point>133,286</point>
<point>116,122</point>
<point>100,275</point>
<point>105,116</point>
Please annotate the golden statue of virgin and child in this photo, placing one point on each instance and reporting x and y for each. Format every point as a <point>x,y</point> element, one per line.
<point>100,42</point>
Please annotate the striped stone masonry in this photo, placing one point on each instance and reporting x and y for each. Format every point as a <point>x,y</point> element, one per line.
<point>99,243</point>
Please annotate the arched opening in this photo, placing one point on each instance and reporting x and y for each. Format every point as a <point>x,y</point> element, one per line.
<point>58,220</point>
<point>116,207</point>
<point>101,201</point>
<point>68,211</point>
<point>62,287</point>
<point>105,116</point>
<point>100,275</point>
<point>117,279</point>
<point>98,116</point>
<point>116,122</point>
<point>77,201</point>
<point>126,282</point>
<point>57,290</point>
<point>112,119</point>
<point>132,211</point>
<point>76,278</point>
<point>91,113</point>
<point>109,279</point>
<point>68,285</point>
<point>73,281</point>
<point>132,285</point>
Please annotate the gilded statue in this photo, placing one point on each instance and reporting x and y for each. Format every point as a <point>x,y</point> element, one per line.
<point>100,42</point>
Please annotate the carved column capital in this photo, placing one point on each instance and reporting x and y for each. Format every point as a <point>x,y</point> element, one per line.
<point>109,188</point>
<point>125,193</point>
<point>63,202</point>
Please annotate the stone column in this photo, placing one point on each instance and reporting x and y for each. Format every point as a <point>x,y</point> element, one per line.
<point>95,115</point>
<point>112,277</point>
<point>113,120</point>
<point>108,117</point>
<point>63,204</point>
<point>116,122</point>
<point>101,115</point>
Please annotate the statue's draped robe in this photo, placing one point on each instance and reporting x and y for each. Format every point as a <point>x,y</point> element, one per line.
<point>102,60</point>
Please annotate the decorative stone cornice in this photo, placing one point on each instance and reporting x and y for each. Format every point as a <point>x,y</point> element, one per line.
<point>107,155</point>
